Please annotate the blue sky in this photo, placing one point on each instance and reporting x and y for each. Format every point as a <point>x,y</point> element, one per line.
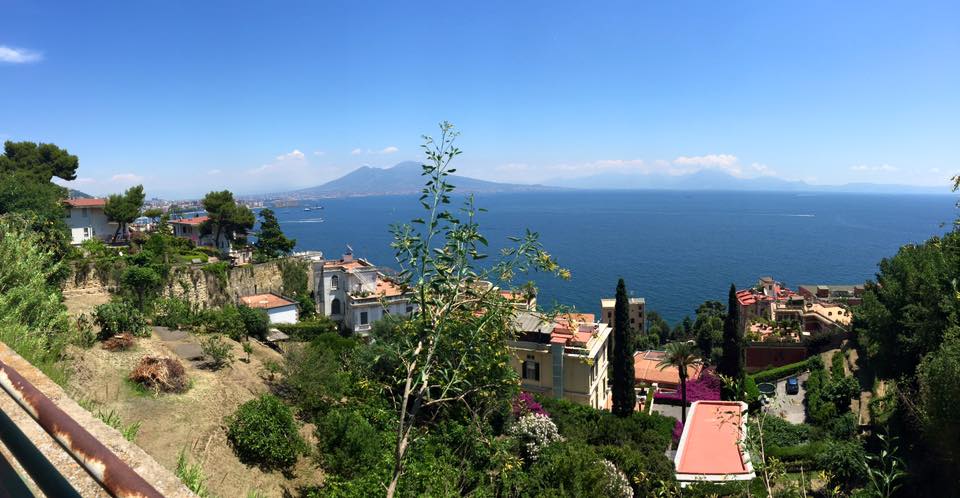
<point>185,97</point>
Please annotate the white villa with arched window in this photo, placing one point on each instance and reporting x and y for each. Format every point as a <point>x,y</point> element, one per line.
<point>356,293</point>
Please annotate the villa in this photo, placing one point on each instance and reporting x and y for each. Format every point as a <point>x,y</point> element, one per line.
<point>772,302</point>
<point>711,447</point>
<point>636,307</point>
<point>87,220</point>
<point>565,357</point>
<point>356,293</point>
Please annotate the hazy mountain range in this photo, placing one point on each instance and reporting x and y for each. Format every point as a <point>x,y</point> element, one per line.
<point>405,178</point>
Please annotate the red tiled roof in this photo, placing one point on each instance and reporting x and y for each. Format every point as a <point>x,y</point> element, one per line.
<point>266,301</point>
<point>190,221</point>
<point>86,202</point>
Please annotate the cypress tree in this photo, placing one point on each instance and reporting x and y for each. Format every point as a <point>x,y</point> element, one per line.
<point>731,363</point>
<point>624,397</point>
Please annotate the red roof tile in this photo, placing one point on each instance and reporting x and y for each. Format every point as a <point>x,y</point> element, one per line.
<point>190,221</point>
<point>80,203</point>
<point>266,301</point>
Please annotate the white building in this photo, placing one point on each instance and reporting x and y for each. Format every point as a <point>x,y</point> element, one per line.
<point>279,309</point>
<point>87,220</point>
<point>356,294</point>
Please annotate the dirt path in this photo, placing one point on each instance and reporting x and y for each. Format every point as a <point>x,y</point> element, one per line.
<point>192,421</point>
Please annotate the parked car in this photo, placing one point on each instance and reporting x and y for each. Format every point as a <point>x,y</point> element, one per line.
<point>793,385</point>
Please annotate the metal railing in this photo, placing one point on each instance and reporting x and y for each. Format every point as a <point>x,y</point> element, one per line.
<point>113,475</point>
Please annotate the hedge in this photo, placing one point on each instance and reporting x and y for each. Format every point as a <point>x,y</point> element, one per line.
<point>778,373</point>
<point>793,457</point>
<point>308,329</point>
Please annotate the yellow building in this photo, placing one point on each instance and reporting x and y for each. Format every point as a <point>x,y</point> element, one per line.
<point>565,357</point>
<point>635,310</point>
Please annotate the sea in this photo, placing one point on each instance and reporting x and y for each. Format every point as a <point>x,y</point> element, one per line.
<point>675,249</point>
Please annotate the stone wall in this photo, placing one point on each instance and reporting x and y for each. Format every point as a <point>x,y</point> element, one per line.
<point>202,288</point>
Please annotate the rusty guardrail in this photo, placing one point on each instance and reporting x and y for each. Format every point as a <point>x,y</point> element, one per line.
<point>115,476</point>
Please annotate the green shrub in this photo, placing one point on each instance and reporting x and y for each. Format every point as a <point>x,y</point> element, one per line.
<point>318,375</point>
<point>219,352</point>
<point>173,313</point>
<point>119,316</point>
<point>566,469</point>
<point>845,461</point>
<point>777,373</point>
<point>192,476</point>
<point>85,337</point>
<point>263,432</point>
<point>780,433</point>
<point>349,444</point>
<point>836,365</point>
<point>141,283</point>
<point>227,321</point>
<point>751,392</point>
<point>843,427</point>
<point>801,455</point>
<point>256,321</point>
<point>308,329</point>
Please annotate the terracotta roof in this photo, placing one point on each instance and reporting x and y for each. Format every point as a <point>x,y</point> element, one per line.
<point>79,203</point>
<point>386,288</point>
<point>266,301</point>
<point>346,265</point>
<point>646,369</point>
<point>190,221</point>
<point>709,445</point>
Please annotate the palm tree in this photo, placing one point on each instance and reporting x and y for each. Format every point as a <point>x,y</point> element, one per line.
<point>681,355</point>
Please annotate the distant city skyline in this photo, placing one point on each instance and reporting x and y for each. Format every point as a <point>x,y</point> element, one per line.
<point>186,98</point>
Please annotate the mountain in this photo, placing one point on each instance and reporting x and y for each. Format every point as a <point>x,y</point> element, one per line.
<point>719,180</point>
<point>76,194</point>
<point>403,178</point>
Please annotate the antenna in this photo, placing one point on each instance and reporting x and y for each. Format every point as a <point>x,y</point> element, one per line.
<point>349,249</point>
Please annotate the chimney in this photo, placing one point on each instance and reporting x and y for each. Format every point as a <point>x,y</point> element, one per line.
<point>347,257</point>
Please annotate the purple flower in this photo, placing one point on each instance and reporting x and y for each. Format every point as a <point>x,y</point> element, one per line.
<point>525,404</point>
<point>677,431</point>
<point>706,388</point>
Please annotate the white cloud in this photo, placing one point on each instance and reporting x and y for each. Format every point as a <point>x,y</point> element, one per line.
<point>126,178</point>
<point>763,169</point>
<point>294,154</point>
<point>386,150</point>
<point>883,168</point>
<point>19,55</point>
<point>319,153</point>
<point>214,172</point>
<point>709,160</point>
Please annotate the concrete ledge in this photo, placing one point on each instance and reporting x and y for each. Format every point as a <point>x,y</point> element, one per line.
<point>142,463</point>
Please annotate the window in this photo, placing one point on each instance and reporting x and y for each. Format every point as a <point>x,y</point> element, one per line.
<point>531,369</point>
<point>633,320</point>
<point>409,309</point>
<point>85,212</point>
<point>335,307</point>
<point>334,282</point>
<point>363,318</point>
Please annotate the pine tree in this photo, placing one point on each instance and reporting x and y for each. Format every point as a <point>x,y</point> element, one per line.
<point>731,363</point>
<point>624,397</point>
<point>271,242</point>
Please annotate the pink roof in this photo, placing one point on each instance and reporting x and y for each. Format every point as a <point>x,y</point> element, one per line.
<point>266,301</point>
<point>710,442</point>
<point>191,221</point>
<point>86,202</point>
